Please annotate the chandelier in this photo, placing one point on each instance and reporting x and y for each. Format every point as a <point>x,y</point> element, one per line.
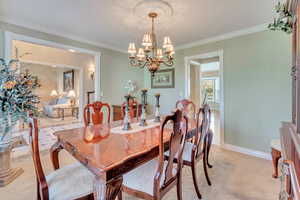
<point>150,56</point>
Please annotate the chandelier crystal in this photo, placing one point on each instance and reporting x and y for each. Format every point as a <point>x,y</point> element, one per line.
<point>150,56</point>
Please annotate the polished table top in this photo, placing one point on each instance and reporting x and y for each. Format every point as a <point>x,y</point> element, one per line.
<point>113,153</point>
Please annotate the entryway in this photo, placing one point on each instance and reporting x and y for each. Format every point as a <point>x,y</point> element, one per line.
<point>204,84</point>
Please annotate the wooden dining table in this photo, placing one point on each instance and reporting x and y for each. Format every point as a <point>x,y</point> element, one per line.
<point>110,155</point>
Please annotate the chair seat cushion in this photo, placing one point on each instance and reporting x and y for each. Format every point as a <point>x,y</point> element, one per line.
<point>70,182</point>
<point>275,144</point>
<point>187,152</point>
<point>142,178</point>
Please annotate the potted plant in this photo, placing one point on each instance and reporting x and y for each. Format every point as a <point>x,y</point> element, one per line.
<point>17,101</point>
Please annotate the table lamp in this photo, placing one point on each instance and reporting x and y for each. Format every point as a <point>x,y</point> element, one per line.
<point>53,93</point>
<point>72,96</point>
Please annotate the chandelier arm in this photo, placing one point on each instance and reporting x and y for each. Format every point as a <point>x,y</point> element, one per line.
<point>135,63</point>
<point>168,63</point>
<point>144,64</point>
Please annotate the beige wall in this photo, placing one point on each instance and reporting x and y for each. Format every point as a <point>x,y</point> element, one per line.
<point>195,84</point>
<point>48,80</point>
<point>58,57</point>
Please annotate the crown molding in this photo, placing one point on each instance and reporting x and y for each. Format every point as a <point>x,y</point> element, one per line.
<point>254,29</point>
<point>60,34</point>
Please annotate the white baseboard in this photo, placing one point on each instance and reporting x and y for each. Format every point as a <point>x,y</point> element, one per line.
<point>246,151</point>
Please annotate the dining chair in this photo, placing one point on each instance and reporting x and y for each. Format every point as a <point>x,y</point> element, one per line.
<point>94,111</point>
<point>154,179</point>
<point>187,106</point>
<point>134,109</point>
<point>70,182</point>
<point>198,149</point>
<point>276,155</point>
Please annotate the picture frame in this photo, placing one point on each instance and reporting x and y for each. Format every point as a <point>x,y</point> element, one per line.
<point>68,80</point>
<point>164,78</point>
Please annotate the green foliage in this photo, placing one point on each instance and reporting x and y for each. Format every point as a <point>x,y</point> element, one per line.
<point>17,99</point>
<point>284,20</point>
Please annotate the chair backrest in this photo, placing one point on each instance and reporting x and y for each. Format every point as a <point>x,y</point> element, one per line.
<point>176,144</point>
<point>203,115</point>
<point>94,111</point>
<point>42,185</point>
<point>187,107</point>
<point>133,108</point>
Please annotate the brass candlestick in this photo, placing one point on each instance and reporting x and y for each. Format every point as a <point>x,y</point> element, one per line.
<point>157,114</point>
<point>127,126</point>
<point>144,103</point>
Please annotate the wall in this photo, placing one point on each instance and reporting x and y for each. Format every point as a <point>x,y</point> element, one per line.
<point>58,58</point>
<point>115,70</point>
<point>47,80</point>
<point>257,88</point>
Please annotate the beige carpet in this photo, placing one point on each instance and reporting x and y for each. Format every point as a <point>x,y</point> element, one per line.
<point>234,177</point>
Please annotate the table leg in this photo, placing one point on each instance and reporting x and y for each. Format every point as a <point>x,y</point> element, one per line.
<point>107,190</point>
<point>55,149</point>
<point>63,114</point>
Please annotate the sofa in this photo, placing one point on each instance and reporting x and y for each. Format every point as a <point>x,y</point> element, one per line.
<point>51,108</point>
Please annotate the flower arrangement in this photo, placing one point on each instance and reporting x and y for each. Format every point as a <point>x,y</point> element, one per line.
<point>17,99</point>
<point>284,19</point>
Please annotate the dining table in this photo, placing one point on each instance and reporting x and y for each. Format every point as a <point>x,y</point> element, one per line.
<point>109,152</point>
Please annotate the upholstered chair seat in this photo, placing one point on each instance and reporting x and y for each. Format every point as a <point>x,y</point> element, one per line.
<point>142,178</point>
<point>187,152</point>
<point>275,144</point>
<point>276,155</point>
<point>70,182</point>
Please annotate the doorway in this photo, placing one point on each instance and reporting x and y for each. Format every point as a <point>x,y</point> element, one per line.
<point>204,84</point>
<point>70,72</point>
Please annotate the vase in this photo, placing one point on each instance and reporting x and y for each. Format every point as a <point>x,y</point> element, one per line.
<point>7,143</point>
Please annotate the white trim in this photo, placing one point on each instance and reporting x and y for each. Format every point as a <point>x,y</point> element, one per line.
<point>187,83</point>
<point>50,64</point>
<point>258,154</point>
<point>254,29</point>
<point>193,62</point>
<point>9,37</point>
<point>60,34</point>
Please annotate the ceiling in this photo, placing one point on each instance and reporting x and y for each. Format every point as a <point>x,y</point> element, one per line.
<point>113,23</point>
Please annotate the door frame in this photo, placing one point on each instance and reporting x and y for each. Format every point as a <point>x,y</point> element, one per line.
<point>187,84</point>
<point>10,36</point>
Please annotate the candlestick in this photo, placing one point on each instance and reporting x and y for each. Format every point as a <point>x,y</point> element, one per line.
<point>144,103</point>
<point>157,115</point>
<point>126,121</point>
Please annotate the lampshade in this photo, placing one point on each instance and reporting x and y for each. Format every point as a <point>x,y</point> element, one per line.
<point>71,94</point>
<point>147,42</point>
<point>159,53</point>
<point>131,48</point>
<point>53,93</point>
<point>171,50</point>
<point>141,54</point>
<point>91,68</point>
<point>167,42</point>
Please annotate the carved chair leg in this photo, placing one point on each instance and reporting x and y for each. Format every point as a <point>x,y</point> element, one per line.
<point>54,151</point>
<point>179,186</point>
<point>107,190</point>
<point>120,195</point>
<point>209,141</point>
<point>194,174</point>
<point>204,159</point>
<point>38,190</point>
<point>276,155</point>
